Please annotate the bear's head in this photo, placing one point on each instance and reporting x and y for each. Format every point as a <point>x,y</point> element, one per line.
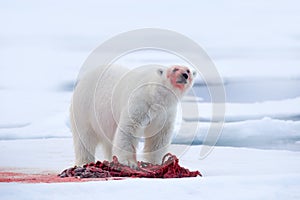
<point>179,77</point>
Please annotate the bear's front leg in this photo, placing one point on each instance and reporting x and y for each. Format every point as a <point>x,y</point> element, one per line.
<point>125,142</point>
<point>157,145</point>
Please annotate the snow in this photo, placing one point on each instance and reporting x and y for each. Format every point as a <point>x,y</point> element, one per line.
<point>254,45</point>
<point>229,173</point>
<point>256,125</point>
<point>285,109</point>
<point>231,187</point>
<point>265,133</point>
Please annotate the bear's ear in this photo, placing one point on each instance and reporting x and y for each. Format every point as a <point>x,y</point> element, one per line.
<point>194,73</point>
<point>160,72</point>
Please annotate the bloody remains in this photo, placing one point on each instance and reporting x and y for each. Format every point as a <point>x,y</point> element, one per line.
<point>168,169</point>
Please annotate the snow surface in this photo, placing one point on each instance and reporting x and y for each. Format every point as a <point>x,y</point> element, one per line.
<point>254,45</point>
<point>228,173</point>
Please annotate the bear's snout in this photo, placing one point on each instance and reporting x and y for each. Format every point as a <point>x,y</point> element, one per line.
<point>185,75</point>
<point>182,78</point>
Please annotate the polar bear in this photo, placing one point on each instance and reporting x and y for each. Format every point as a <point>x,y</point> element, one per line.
<point>115,107</point>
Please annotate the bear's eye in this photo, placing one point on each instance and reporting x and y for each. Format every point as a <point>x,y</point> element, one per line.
<point>175,70</point>
<point>188,71</point>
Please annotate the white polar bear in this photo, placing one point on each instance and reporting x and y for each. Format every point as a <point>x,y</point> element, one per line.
<point>115,106</point>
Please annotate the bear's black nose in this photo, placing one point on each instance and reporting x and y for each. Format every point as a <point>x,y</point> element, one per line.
<point>185,75</point>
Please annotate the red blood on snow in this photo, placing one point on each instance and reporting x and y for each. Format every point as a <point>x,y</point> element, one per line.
<point>102,171</point>
<point>9,177</point>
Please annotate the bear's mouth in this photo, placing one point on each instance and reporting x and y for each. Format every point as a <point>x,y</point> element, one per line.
<point>181,80</point>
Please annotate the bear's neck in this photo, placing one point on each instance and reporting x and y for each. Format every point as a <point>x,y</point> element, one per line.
<point>164,95</point>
